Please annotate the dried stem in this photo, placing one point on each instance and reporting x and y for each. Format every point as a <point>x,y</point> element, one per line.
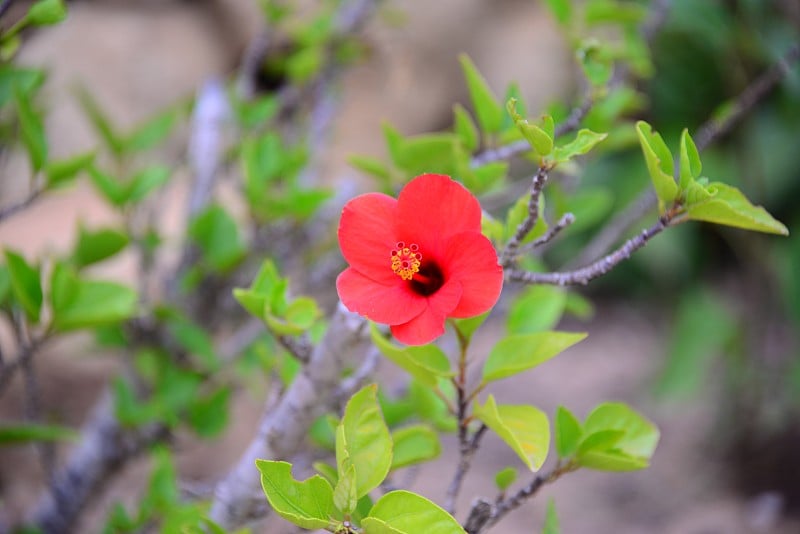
<point>8,211</point>
<point>467,451</point>
<point>565,220</point>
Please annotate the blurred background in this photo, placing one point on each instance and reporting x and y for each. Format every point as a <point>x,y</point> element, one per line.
<point>699,331</point>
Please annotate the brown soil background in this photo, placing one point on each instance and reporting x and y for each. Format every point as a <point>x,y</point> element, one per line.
<point>139,56</point>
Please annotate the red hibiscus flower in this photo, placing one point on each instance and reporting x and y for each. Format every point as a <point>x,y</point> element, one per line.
<point>417,260</point>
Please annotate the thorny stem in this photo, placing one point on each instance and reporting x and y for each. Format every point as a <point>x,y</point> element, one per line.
<point>509,253</point>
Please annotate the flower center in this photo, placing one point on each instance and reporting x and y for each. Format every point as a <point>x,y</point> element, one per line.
<point>406,260</point>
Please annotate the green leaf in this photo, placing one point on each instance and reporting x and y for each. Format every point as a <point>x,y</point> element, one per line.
<point>344,494</point>
<point>94,303</point>
<point>372,167</point>
<point>61,171</point>
<point>217,235</point>
<point>518,212</point>
<point>414,445</point>
<point>568,432</point>
<point>487,107</point>
<point>729,207</point>
<point>539,139</point>
<point>659,164</point>
<point>524,428</point>
<point>517,353</point>
<point>31,130</point>
<point>208,415</point>
<point>616,438</point>
<point>152,132</point>
<point>115,191</point>
<point>691,167</point>
<point>403,512</point>
<point>536,308</point>
<point>145,181</point>
<point>266,287</point>
<point>45,12</point>
<point>426,153</point>
<point>307,504</point>
<point>100,122</point>
<point>26,433</point>
<point>14,78</point>
<point>5,285</point>
<point>597,63</point>
<point>298,317</point>
<point>561,9</point>
<point>584,141</point>
<point>551,525</point>
<point>467,327</point>
<point>504,478</point>
<point>425,363</point>
<point>465,128</point>
<point>95,246</point>
<point>363,439</point>
<point>26,284</point>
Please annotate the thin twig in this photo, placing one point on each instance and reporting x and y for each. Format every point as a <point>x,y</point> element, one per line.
<point>594,270</point>
<point>565,220</point>
<point>509,253</point>
<point>479,519</point>
<point>358,378</point>
<point>8,211</point>
<point>464,463</point>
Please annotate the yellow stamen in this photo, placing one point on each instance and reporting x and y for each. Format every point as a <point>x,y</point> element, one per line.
<point>406,260</point>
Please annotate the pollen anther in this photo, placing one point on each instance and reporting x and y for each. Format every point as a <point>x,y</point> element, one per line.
<point>406,260</point>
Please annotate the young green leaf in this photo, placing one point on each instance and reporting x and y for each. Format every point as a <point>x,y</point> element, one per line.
<point>561,9</point>
<point>146,181</point>
<point>414,445</point>
<point>344,493</point>
<point>524,428</point>
<point>425,363</point>
<point>114,190</point>
<point>691,167</point>
<point>307,504</point>
<point>372,167</point>
<point>100,122</point>
<point>539,138</point>
<point>26,284</point>
<point>584,141</point>
<point>568,432</point>
<point>727,205</point>
<point>616,438</point>
<point>31,130</point>
<point>267,288</point>
<point>659,163</point>
<point>96,246</point>
<point>504,478</point>
<point>299,316</point>
<point>517,353</point>
<point>426,153</point>
<point>487,107</point>
<point>597,63</point>
<point>363,439</point>
<point>403,512</point>
<point>152,132</point>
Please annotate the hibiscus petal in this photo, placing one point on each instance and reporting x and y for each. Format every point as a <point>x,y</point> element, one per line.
<point>429,324</point>
<point>387,304</point>
<point>432,207</point>
<point>471,259</point>
<point>367,235</point>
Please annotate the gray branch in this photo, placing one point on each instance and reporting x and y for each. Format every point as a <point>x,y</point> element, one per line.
<point>594,270</point>
<point>284,428</point>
